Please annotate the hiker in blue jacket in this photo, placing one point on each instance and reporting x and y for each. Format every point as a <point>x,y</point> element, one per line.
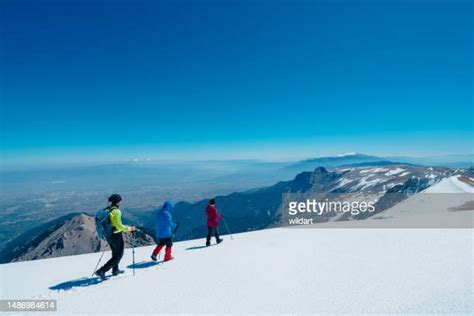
<point>164,231</point>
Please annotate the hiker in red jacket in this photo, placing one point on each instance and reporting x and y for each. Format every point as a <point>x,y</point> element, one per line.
<point>212,222</point>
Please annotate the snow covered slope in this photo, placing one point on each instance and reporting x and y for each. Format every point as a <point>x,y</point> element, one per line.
<point>452,185</point>
<point>323,269</point>
<point>447,204</point>
<point>271,271</point>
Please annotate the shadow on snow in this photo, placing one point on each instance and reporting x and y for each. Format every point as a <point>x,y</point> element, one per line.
<point>144,264</point>
<point>196,247</point>
<point>82,282</point>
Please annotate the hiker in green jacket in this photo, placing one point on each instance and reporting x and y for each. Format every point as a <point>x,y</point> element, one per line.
<point>116,240</point>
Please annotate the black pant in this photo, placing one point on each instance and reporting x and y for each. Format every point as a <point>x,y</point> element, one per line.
<point>168,242</point>
<point>212,231</point>
<point>117,245</point>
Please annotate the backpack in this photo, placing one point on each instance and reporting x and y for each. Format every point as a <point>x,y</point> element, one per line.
<point>103,225</point>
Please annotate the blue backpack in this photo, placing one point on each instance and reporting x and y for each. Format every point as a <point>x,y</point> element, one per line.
<point>103,225</point>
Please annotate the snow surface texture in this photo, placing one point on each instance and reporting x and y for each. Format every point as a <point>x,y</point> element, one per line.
<point>450,185</point>
<point>447,204</point>
<point>292,270</point>
<point>271,271</point>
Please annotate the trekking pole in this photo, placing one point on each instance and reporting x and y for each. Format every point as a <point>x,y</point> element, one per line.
<point>175,230</point>
<point>227,226</point>
<point>98,262</point>
<point>133,251</point>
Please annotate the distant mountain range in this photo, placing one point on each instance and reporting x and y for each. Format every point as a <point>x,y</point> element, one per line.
<point>452,161</point>
<point>334,161</point>
<point>261,208</point>
<point>246,210</point>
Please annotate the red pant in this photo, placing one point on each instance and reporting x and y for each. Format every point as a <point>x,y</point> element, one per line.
<point>167,252</point>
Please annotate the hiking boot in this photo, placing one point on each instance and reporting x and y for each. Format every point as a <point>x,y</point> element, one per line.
<point>101,275</point>
<point>208,244</point>
<point>220,240</point>
<point>114,273</point>
<point>153,257</point>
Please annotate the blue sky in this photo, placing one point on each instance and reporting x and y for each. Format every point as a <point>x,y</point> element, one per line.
<point>87,80</point>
